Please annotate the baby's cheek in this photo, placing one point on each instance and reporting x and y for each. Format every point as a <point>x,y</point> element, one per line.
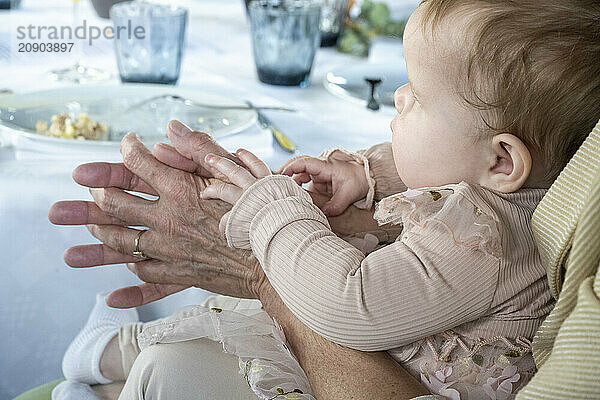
<point>399,161</point>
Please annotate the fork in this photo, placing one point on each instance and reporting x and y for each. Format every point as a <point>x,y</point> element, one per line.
<point>190,102</point>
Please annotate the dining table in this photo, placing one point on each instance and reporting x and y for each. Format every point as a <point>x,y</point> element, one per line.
<point>44,302</point>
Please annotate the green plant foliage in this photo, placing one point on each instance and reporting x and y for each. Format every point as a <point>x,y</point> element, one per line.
<point>374,20</point>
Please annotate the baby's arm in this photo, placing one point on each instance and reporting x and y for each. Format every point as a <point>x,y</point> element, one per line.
<point>410,289</point>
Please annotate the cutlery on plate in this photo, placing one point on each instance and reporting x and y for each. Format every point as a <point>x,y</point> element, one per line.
<point>189,102</point>
<point>283,141</point>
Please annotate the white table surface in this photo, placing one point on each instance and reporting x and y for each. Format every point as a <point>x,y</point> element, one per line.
<point>44,302</point>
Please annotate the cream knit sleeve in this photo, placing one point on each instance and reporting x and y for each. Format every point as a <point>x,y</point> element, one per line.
<point>415,287</point>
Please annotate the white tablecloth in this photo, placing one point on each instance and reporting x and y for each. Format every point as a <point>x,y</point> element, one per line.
<point>44,303</point>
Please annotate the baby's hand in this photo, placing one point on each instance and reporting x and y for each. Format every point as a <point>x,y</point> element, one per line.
<point>240,178</point>
<point>344,179</point>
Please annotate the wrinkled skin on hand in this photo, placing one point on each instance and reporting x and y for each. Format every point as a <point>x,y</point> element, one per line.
<point>183,242</point>
<point>186,155</point>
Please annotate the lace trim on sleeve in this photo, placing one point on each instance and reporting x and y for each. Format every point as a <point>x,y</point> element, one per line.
<point>341,154</point>
<point>466,223</point>
<point>383,170</point>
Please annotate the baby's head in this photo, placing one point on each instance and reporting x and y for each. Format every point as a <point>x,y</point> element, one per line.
<point>501,93</point>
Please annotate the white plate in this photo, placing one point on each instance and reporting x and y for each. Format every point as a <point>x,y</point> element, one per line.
<point>348,82</point>
<point>20,112</point>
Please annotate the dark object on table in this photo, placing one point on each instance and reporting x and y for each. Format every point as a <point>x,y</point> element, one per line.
<point>102,6</point>
<point>8,4</point>
<point>372,103</point>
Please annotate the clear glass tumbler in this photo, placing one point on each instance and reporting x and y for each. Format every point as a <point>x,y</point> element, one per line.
<point>149,40</point>
<point>333,16</point>
<point>285,37</point>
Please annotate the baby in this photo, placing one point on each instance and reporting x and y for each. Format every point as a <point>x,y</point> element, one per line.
<point>500,96</point>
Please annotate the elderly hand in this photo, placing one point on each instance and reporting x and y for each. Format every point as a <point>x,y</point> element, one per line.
<point>187,154</point>
<point>182,240</point>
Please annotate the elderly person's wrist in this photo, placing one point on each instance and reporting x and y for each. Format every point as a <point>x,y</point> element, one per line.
<point>267,295</point>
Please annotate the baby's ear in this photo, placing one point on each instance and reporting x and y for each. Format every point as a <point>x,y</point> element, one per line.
<point>510,166</point>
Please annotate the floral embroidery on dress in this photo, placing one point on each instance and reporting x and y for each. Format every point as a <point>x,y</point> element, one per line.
<point>466,223</point>
<point>436,383</point>
<point>500,388</point>
<point>493,369</point>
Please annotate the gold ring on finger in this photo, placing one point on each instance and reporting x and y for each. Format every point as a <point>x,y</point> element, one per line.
<point>137,252</point>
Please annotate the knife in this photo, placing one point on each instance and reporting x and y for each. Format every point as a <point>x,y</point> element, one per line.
<point>283,141</point>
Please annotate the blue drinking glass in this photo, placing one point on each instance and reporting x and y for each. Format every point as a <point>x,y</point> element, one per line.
<point>285,37</point>
<point>149,41</point>
<point>333,16</point>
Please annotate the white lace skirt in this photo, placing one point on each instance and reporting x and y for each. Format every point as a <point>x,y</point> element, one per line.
<point>493,370</point>
<point>245,330</point>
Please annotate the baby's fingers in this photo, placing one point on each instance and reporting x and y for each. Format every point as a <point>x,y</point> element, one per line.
<point>311,166</point>
<point>258,168</point>
<point>239,176</point>
<point>221,190</point>
<point>288,162</point>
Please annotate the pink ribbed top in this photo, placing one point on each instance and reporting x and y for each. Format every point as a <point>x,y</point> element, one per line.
<point>466,260</point>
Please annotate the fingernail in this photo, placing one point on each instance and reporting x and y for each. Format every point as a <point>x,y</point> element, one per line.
<point>238,151</point>
<point>209,158</point>
<point>179,128</point>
